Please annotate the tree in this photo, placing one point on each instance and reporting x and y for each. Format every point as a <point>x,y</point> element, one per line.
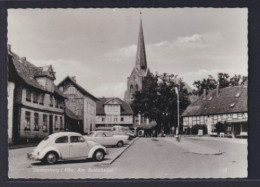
<point>205,84</point>
<point>158,99</point>
<point>223,80</point>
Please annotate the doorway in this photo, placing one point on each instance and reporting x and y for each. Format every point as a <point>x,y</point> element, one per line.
<point>51,124</point>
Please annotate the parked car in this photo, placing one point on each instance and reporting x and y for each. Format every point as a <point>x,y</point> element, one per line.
<point>66,146</point>
<point>119,130</point>
<point>107,138</point>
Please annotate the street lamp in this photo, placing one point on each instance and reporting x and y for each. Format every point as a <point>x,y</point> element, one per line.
<point>178,110</point>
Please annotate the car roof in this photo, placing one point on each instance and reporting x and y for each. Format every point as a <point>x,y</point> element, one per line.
<point>58,134</point>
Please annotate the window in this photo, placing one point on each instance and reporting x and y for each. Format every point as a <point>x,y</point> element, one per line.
<point>115,118</point>
<point>27,122</point>
<point>63,139</point>
<point>61,104</point>
<point>51,100</point>
<point>36,122</point>
<point>237,95</point>
<point>122,118</point>
<point>232,105</point>
<point>42,98</point>
<point>76,139</point>
<point>131,87</point>
<point>56,123</point>
<point>35,97</point>
<point>109,118</point>
<point>44,123</point>
<point>103,119</point>
<point>28,95</point>
<point>136,87</point>
<point>99,134</point>
<point>61,123</point>
<point>56,102</point>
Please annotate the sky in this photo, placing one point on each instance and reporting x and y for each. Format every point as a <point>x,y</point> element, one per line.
<point>98,46</point>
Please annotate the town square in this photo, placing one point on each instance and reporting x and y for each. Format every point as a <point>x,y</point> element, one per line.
<point>136,93</point>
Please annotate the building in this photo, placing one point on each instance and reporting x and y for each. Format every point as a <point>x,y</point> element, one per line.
<point>226,105</point>
<point>135,80</point>
<point>81,104</point>
<point>113,111</point>
<point>35,104</point>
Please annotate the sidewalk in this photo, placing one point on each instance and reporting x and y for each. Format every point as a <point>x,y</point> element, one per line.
<point>193,147</point>
<point>231,140</point>
<point>112,157</point>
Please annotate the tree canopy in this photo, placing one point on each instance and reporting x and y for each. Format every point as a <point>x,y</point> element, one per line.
<point>223,80</point>
<point>158,100</point>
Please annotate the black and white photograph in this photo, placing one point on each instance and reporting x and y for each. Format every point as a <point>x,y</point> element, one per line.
<point>127,93</point>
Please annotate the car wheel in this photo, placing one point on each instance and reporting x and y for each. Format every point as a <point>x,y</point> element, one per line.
<point>120,144</point>
<point>51,158</point>
<point>99,155</point>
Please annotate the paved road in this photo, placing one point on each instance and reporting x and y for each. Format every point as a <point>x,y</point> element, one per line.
<point>146,158</point>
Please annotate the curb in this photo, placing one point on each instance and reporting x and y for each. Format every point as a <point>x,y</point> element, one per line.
<point>112,161</point>
<point>21,146</point>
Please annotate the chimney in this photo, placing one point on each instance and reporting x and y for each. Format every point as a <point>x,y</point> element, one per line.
<point>74,78</point>
<point>204,93</point>
<point>23,58</point>
<point>9,47</point>
<point>217,90</point>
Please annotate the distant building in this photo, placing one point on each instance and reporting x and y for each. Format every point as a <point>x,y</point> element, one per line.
<point>81,106</point>
<point>35,104</point>
<point>135,80</point>
<point>226,105</point>
<point>113,111</point>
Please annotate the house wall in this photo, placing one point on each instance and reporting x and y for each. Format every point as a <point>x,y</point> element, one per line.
<point>41,109</point>
<point>114,120</point>
<point>10,98</point>
<point>89,115</point>
<point>43,130</point>
<point>202,120</point>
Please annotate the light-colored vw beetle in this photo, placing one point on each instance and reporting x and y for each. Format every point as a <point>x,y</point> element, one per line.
<point>67,146</point>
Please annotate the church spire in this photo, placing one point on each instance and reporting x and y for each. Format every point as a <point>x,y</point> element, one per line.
<point>141,55</point>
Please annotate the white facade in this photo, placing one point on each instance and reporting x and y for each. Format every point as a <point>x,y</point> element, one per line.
<point>10,100</point>
<point>113,115</point>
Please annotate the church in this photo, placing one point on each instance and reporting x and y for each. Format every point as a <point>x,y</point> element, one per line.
<point>140,70</point>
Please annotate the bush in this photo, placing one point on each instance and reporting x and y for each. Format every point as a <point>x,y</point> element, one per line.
<point>195,129</point>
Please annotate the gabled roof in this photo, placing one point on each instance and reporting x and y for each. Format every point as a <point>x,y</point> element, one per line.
<point>27,72</point>
<point>113,100</point>
<point>68,79</point>
<point>71,114</point>
<point>229,100</point>
<point>125,107</point>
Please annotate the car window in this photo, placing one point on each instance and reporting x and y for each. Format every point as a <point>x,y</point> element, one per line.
<point>99,134</point>
<point>109,134</point>
<point>63,139</point>
<point>75,139</point>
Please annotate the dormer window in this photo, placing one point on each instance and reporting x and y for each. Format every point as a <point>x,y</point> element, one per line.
<point>238,94</point>
<point>35,97</point>
<point>232,105</point>
<point>28,95</point>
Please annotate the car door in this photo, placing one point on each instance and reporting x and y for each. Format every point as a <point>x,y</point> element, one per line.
<point>99,138</point>
<point>78,147</point>
<point>62,144</point>
<point>110,138</point>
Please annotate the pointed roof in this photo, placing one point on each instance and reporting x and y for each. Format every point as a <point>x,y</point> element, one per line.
<point>141,55</point>
<point>80,88</point>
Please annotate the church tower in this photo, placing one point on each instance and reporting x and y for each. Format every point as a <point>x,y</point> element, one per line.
<point>140,70</point>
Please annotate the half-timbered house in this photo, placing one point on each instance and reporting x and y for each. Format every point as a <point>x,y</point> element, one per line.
<point>36,106</point>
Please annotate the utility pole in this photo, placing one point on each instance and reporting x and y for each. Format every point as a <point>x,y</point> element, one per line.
<point>178,113</point>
